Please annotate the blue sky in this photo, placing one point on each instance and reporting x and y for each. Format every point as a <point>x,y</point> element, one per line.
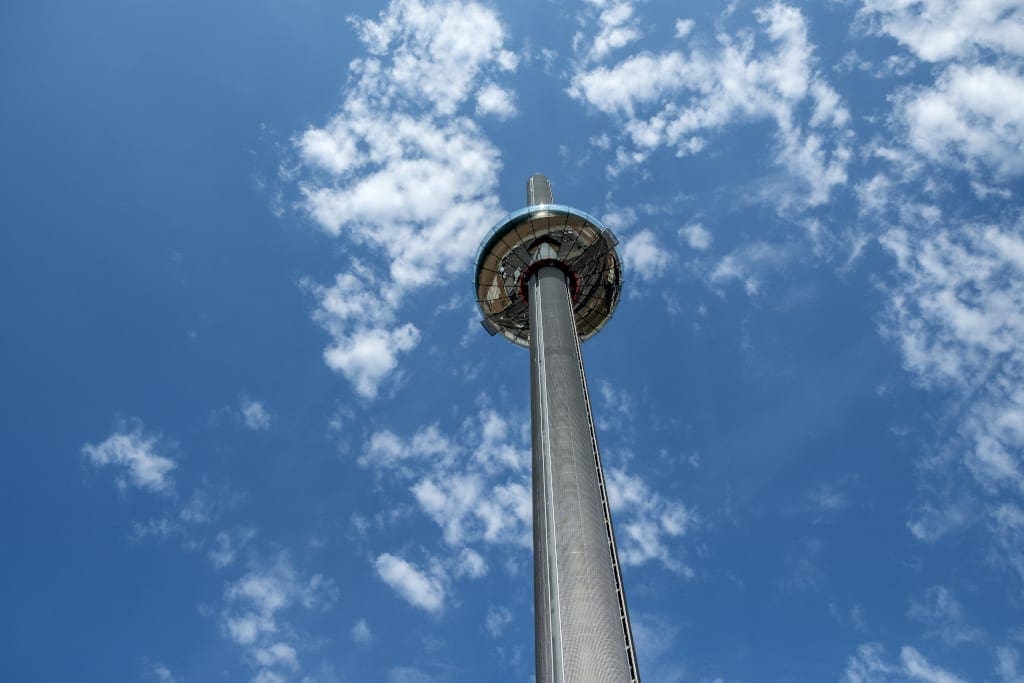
<point>253,430</point>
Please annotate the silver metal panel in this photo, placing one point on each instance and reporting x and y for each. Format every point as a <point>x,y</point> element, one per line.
<point>538,190</point>
<point>582,624</point>
<point>584,247</point>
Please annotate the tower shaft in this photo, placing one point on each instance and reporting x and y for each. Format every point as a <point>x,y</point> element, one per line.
<point>582,625</point>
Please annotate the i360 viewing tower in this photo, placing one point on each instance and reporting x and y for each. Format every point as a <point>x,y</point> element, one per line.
<point>548,277</point>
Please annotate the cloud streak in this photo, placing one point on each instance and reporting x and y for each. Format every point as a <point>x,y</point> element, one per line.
<point>136,456</point>
<point>403,171</point>
<point>682,101</point>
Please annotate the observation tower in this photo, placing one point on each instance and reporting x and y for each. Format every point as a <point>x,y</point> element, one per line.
<point>547,278</point>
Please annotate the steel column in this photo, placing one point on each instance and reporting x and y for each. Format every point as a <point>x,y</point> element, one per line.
<point>583,633</point>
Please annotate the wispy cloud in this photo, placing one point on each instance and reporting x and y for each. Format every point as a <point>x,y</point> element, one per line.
<point>255,606</point>
<point>136,456</point>
<point>971,118</point>
<point>418,588</point>
<point>751,263</point>
<point>493,100</point>
<point>359,313</point>
<point>956,312</point>
<point>226,545</point>
<point>956,294</point>
<point>936,30</point>
<point>160,673</point>
<point>617,27</point>
<point>474,484</point>
<point>645,522</point>
<point>696,236</point>
<point>871,665</point>
<point>254,413</point>
<point>644,257</point>
<point>683,100</point>
<point>402,170</point>
<point>497,619</point>
<point>943,616</point>
<point>1008,665</point>
<point>259,604</point>
<point>968,117</point>
<point>361,632</point>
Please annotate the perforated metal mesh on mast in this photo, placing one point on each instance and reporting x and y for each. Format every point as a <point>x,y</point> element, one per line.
<point>547,277</point>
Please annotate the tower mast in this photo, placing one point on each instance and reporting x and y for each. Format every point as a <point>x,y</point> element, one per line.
<point>548,277</point>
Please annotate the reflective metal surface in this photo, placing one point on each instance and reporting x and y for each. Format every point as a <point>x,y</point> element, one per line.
<point>547,277</point>
<point>582,625</point>
<point>583,247</point>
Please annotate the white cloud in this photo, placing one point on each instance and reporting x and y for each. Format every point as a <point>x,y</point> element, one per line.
<point>636,81</point>
<point>676,100</point>
<point>684,27</point>
<point>644,257</point>
<point>361,632</point>
<point>418,588</point>
<point>387,451</point>
<point>161,674</point>
<point>437,49</point>
<point>937,30</point>
<point>658,638</point>
<point>277,654</point>
<point>619,217</point>
<point>696,236</point>
<point>919,668</point>
<point>400,169</point>
<point>983,191</point>
<point>493,100</point>
<point>254,414</point>
<point>497,619</point>
<point>931,523</point>
<point>498,450</point>
<point>749,263</point>
<point>893,66</point>
<point>1008,661</point>
<point>616,29</point>
<point>475,487</point>
<point>825,498</point>
<point>869,665</point>
<point>360,318</point>
<point>874,194</point>
<point>957,312</point>
<point>370,355</point>
<point>955,309</point>
<point>197,509</point>
<point>971,117</point>
<point>645,521</point>
<point>1006,524</point>
<point>425,182</point>
<point>616,413</point>
<point>941,612</point>
<point>408,674</point>
<point>471,563</point>
<point>227,544</point>
<point>424,200</point>
<point>268,677</point>
<point>255,603</point>
<point>223,554</point>
<point>135,453</point>
<point>450,502</point>
<point>467,509</point>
